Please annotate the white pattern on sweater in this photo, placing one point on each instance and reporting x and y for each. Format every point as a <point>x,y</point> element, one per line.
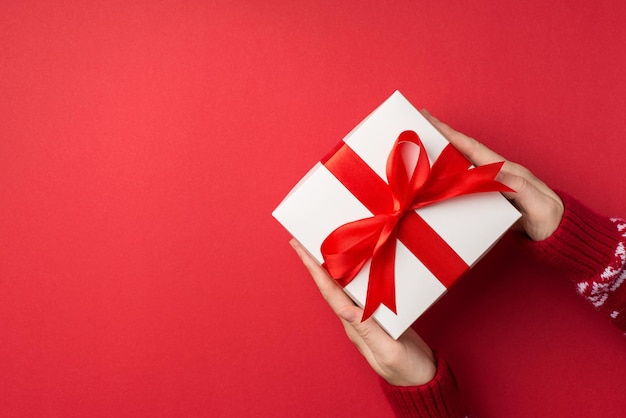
<point>613,276</point>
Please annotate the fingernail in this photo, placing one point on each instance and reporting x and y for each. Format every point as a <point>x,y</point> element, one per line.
<point>425,112</point>
<point>293,243</point>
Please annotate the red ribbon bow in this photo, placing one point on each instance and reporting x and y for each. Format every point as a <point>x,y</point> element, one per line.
<point>393,205</point>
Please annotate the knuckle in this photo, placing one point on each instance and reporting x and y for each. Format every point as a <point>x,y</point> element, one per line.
<point>519,170</point>
<point>521,184</point>
<point>363,330</point>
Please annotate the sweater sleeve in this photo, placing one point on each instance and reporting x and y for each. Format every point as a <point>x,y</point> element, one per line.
<point>589,249</point>
<point>439,398</point>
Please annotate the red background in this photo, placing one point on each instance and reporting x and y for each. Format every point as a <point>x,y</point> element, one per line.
<point>143,146</point>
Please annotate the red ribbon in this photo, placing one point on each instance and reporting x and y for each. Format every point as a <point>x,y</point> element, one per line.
<point>393,205</point>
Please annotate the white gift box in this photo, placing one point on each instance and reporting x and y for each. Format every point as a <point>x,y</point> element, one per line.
<point>469,224</point>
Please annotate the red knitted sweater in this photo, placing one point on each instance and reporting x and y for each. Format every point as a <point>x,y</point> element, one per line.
<point>590,249</point>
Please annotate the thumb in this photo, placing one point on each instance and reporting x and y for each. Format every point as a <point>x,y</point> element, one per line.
<point>368,331</point>
<point>526,196</point>
<point>541,212</point>
<point>350,314</point>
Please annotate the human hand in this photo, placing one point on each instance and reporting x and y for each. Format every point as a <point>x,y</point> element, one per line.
<point>407,361</point>
<point>541,207</point>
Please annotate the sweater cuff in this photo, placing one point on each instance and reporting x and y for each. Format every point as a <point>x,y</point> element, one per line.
<point>439,398</point>
<point>583,244</point>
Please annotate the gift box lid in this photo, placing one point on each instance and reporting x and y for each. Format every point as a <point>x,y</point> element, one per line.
<point>319,203</point>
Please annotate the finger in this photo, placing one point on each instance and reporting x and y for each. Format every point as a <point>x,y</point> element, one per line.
<point>349,315</point>
<point>542,211</point>
<point>476,152</point>
<point>521,171</point>
<point>526,194</point>
<point>530,191</point>
<point>339,302</point>
<point>479,154</point>
<point>332,293</point>
<point>531,200</point>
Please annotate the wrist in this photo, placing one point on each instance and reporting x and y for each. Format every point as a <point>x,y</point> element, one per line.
<point>422,373</point>
<point>583,243</point>
<point>418,363</point>
<point>439,397</point>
